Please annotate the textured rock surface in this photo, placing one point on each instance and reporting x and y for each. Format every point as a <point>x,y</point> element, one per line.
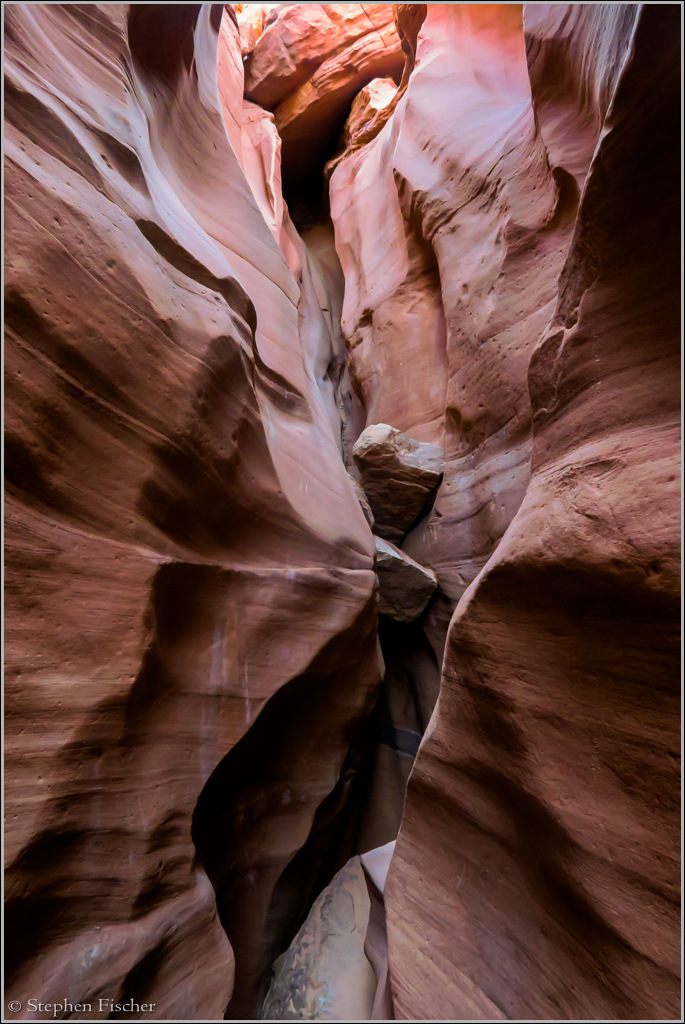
<point>452,228</point>
<point>191,606</point>
<point>309,64</point>
<point>183,541</point>
<point>536,874</point>
<point>325,974</point>
<point>405,586</point>
<point>399,476</point>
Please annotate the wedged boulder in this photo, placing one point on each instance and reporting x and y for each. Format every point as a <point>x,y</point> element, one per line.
<point>405,586</point>
<point>399,476</point>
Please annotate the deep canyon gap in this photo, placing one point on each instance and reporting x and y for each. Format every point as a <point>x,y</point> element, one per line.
<point>342,376</point>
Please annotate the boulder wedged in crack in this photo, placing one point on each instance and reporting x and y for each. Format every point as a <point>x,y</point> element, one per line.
<point>452,227</point>
<point>336,967</point>
<point>399,475</point>
<point>405,587</point>
<point>324,974</point>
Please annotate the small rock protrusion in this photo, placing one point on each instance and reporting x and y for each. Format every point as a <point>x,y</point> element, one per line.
<point>405,586</point>
<point>399,476</point>
<point>374,97</point>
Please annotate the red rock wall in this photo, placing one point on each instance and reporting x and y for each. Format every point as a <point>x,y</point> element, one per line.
<point>452,228</point>
<point>536,874</point>
<point>182,539</point>
<point>191,611</point>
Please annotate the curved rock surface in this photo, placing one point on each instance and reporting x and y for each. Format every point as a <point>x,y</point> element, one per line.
<point>199,688</point>
<point>536,874</point>
<point>183,541</point>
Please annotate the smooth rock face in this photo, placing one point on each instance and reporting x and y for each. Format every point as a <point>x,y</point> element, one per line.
<point>376,863</point>
<point>325,974</point>
<point>399,475</point>
<point>193,673</point>
<point>183,542</point>
<point>537,874</point>
<point>405,586</point>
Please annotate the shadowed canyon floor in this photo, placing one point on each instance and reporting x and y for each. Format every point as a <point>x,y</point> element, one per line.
<point>342,520</point>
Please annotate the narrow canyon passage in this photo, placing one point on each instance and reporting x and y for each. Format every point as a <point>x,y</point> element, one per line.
<point>342,380</point>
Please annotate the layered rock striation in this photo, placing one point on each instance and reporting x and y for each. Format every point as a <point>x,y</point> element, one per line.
<point>405,586</point>
<point>210,414</point>
<point>536,871</point>
<point>183,542</point>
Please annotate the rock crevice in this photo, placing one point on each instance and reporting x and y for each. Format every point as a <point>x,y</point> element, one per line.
<point>342,509</point>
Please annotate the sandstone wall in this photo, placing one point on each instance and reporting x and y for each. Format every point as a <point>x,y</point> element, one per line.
<point>183,542</point>
<point>536,871</point>
<point>193,670</point>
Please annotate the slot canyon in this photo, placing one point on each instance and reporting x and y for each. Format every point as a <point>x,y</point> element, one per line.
<point>342,511</point>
